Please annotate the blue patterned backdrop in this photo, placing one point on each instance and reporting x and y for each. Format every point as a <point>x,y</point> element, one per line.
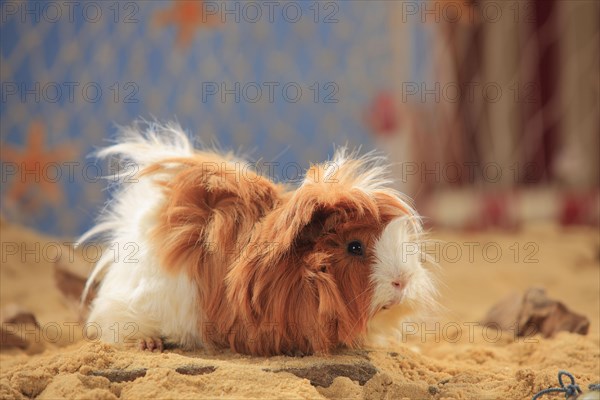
<point>72,72</point>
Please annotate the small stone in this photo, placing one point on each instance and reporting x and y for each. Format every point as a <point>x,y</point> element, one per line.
<point>195,369</point>
<point>534,312</point>
<point>120,375</point>
<point>9,339</point>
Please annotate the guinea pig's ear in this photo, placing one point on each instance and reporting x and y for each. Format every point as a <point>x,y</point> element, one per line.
<point>343,186</point>
<point>310,213</point>
<point>300,221</point>
<point>392,206</point>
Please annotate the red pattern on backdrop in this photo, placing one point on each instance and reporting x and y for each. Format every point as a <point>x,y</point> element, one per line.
<point>188,16</point>
<point>35,171</point>
<point>382,115</point>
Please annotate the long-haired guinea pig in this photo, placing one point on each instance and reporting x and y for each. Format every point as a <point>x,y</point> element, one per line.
<point>216,255</point>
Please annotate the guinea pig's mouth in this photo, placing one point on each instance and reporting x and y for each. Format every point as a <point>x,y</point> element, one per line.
<point>393,302</point>
<point>394,308</point>
<point>390,304</point>
<point>397,302</point>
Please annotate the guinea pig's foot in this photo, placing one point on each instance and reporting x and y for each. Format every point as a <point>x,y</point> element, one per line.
<point>295,353</point>
<point>151,344</point>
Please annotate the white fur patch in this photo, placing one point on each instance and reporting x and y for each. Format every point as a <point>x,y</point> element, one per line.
<point>137,298</point>
<point>399,258</point>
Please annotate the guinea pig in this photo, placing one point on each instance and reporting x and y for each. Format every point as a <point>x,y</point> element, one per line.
<point>210,253</point>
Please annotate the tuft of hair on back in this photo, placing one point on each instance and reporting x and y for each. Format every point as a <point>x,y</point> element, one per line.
<point>135,148</point>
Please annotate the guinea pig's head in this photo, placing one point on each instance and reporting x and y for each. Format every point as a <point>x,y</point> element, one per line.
<point>341,251</point>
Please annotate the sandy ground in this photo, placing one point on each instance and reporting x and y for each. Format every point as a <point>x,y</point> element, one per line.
<point>457,358</point>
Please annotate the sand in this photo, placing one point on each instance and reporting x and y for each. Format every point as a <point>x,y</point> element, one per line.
<point>456,359</point>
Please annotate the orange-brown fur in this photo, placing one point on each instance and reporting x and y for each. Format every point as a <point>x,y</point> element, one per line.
<point>271,266</point>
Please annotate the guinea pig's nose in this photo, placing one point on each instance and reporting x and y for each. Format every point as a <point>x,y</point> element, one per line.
<point>399,284</point>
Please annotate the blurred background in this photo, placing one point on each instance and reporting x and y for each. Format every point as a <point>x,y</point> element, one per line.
<point>488,109</point>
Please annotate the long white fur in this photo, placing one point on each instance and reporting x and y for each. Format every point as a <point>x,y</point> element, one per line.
<point>400,255</point>
<point>138,299</point>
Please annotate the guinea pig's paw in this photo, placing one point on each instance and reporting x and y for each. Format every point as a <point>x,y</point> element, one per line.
<point>151,344</point>
<point>295,353</point>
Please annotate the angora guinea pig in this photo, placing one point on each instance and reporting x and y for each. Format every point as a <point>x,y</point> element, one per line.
<point>216,255</point>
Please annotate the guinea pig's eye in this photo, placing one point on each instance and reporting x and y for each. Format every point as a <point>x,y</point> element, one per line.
<point>355,248</point>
